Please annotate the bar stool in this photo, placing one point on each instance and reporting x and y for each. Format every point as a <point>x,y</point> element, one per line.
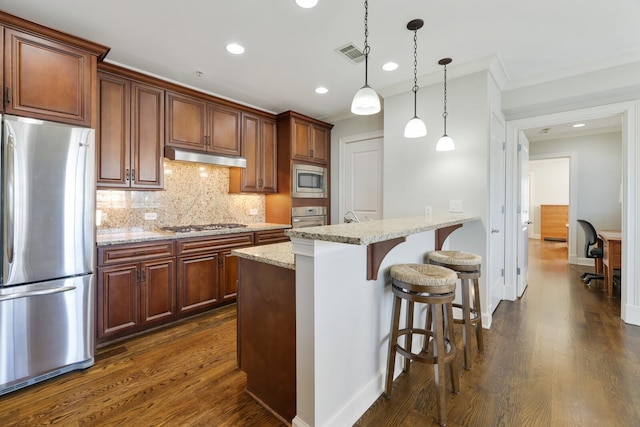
<point>467,266</point>
<point>435,286</point>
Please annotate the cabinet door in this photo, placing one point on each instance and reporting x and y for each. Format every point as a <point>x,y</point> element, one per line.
<point>158,290</point>
<point>197,282</point>
<point>185,121</point>
<point>47,80</point>
<point>224,130</point>
<point>118,303</point>
<point>269,156</point>
<point>300,146</point>
<point>320,151</point>
<point>251,149</point>
<point>228,276</point>
<point>147,136</point>
<point>113,131</point>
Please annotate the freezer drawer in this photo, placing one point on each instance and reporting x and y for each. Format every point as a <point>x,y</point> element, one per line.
<point>46,329</point>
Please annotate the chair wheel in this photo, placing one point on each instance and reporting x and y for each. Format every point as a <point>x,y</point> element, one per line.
<point>587,282</point>
<point>583,275</point>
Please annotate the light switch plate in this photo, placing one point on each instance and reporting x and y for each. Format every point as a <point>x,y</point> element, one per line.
<point>455,205</point>
<point>253,211</point>
<point>150,216</point>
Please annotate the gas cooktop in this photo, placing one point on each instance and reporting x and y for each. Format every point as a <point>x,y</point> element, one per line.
<point>204,227</point>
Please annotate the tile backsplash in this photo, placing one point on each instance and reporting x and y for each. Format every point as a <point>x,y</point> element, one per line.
<point>193,194</point>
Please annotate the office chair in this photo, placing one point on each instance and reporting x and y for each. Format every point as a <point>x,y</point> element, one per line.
<point>591,239</point>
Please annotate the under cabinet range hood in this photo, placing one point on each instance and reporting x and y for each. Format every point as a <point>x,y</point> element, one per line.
<point>183,155</point>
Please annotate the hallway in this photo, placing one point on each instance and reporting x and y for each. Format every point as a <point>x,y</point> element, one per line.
<point>560,356</point>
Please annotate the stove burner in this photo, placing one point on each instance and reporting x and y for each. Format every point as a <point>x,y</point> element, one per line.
<point>205,227</point>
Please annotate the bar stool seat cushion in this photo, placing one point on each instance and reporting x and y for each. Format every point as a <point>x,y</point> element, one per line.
<point>424,275</point>
<point>455,258</point>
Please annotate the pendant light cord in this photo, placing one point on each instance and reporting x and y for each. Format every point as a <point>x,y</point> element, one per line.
<point>366,44</point>
<point>415,73</point>
<point>444,115</point>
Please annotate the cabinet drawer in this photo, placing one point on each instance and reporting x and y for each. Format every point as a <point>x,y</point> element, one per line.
<point>115,254</point>
<point>218,243</point>
<point>271,236</point>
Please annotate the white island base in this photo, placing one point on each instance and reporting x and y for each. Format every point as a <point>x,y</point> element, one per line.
<point>343,322</point>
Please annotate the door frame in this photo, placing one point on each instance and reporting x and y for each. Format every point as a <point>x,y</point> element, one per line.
<point>630,111</point>
<point>341,163</point>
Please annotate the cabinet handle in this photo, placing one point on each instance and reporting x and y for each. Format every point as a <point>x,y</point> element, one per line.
<point>138,275</point>
<point>127,175</point>
<point>144,275</point>
<point>311,153</point>
<point>8,95</point>
<point>207,141</point>
<point>260,183</point>
<point>133,174</point>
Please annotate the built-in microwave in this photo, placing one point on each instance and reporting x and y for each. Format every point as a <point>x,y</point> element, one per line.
<point>308,181</point>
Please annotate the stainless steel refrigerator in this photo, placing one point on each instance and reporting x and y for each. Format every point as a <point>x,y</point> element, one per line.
<point>47,275</point>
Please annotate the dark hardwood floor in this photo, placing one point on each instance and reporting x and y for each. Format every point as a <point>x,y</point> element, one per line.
<point>560,356</point>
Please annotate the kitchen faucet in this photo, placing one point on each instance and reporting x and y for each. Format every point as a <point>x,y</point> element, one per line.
<point>353,218</point>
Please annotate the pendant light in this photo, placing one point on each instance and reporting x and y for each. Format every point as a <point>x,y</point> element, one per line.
<point>366,100</point>
<point>416,127</point>
<point>445,143</point>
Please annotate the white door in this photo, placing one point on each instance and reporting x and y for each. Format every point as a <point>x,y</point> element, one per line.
<point>523,214</point>
<point>363,178</point>
<point>497,207</point>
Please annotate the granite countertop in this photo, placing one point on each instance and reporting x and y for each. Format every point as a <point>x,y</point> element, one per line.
<point>367,232</point>
<point>278,254</point>
<point>119,236</point>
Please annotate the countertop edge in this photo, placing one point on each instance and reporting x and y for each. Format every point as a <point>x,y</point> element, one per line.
<point>107,239</point>
<point>278,254</point>
<point>365,233</point>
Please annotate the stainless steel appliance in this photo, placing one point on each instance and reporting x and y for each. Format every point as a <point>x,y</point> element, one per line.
<point>308,216</point>
<point>308,181</point>
<point>47,307</point>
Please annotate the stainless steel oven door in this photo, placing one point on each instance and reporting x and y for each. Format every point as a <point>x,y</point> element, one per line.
<point>308,221</point>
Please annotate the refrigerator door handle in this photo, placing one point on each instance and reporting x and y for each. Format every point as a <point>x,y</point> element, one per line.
<point>9,196</point>
<point>36,293</point>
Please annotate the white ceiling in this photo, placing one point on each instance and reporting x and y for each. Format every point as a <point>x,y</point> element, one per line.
<point>290,51</point>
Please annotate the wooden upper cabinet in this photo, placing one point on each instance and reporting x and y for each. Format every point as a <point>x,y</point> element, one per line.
<point>186,119</point>
<point>147,136</point>
<point>224,130</point>
<point>310,142</point>
<point>199,125</point>
<point>259,145</point>
<point>113,132</point>
<point>130,134</point>
<point>47,80</point>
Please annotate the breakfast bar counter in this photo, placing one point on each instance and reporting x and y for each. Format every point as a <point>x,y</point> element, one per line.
<point>343,309</point>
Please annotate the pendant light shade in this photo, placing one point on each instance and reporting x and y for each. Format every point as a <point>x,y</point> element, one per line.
<point>445,143</point>
<point>366,101</point>
<point>415,128</point>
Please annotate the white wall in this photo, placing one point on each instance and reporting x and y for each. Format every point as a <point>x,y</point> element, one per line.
<point>549,185</point>
<point>599,174</point>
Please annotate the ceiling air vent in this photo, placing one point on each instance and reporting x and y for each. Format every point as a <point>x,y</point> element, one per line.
<point>351,52</point>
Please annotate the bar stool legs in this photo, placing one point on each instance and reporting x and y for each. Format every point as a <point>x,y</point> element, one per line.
<point>467,266</point>
<point>434,286</point>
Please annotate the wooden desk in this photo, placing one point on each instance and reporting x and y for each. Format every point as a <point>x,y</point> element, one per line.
<point>611,255</point>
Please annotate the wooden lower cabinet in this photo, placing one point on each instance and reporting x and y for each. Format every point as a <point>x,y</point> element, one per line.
<point>134,296</point>
<point>197,282</point>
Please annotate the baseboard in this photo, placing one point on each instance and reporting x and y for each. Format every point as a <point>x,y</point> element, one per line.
<point>297,422</point>
<point>586,261</point>
<point>632,314</point>
<point>351,411</point>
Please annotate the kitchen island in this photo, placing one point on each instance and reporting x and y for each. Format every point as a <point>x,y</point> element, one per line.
<point>343,309</point>
<point>267,326</point>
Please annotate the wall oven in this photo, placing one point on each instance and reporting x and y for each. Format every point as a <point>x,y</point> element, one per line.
<point>308,181</point>
<point>308,216</point>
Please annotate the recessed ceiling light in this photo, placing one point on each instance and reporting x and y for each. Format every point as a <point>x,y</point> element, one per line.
<point>579,125</point>
<point>390,66</point>
<point>306,3</point>
<point>235,48</point>
<point>321,90</point>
